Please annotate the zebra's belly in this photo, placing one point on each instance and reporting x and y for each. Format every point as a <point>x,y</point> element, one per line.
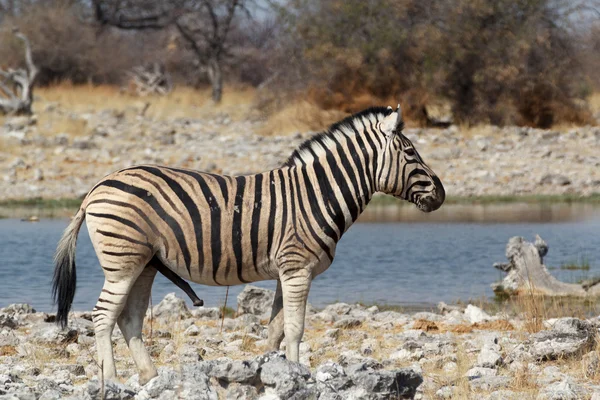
<point>228,273</point>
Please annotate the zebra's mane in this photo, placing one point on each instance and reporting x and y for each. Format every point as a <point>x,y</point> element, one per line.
<point>323,139</point>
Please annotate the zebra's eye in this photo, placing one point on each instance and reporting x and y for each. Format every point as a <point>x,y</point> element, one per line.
<point>409,152</point>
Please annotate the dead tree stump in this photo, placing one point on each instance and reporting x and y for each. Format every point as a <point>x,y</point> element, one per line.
<point>527,274</point>
<point>16,85</point>
<point>150,79</point>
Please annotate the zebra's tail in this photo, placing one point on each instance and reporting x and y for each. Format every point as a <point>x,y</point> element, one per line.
<point>65,277</point>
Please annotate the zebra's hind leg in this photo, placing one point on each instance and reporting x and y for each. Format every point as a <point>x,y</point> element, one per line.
<point>276,323</point>
<point>295,287</point>
<point>110,304</point>
<point>131,321</point>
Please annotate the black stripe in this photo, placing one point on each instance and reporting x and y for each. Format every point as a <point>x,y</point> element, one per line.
<point>215,217</point>
<point>127,205</point>
<point>360,171</point>
<point>328,193</point>
<point>160,212</point>
<point>157,187</point>
<point>192,209</point>
<point>222,182</point>
<point>236,226</point>
<point>119,219</point>
<point>118,254</point>
<point>374,158</point>
<point>342,184</point>
<point>310,228</point>
<point>313,203</point>
<point>256,212</point>
<point>351,175</point>
<point>283,206</point>
<point>272,211</point>
<point>122,237</point>
<point>367,161</point>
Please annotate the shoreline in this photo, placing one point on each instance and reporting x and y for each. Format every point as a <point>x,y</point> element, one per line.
<point>456,351</point>
<point>66,207</point>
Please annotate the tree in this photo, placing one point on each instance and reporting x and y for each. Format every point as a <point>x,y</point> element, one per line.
<point>16,85</point>
<point>204,25</point>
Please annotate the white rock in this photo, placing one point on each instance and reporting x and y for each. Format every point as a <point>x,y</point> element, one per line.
<point>475,314</point>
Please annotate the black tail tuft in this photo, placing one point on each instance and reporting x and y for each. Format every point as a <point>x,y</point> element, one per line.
<point>65,276</point>
<point>63,288</point>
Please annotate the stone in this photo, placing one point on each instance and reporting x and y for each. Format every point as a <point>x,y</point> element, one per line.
<point>478,372</point>
<point>445,392</point>
<point>555,179</point>
<point>567,337</point>
<point>167,379</point>
<point>591,364</point>
<point>489,383</point>
<point>347,323</point>
<point>227,370</point>
<point>195,383</point>
<point>333,376</point>
<point>17,309</point>
<point>475,314</point>
<point>7,322</point>
<point>488,358</point>
<point>504,395</point>
<point>53,334</point>
<point>286,377</point>
<point>170,307</point>
<point>192,330</point>
<point>399,383</point>
<point>560,391</point>
<point>238,392</point>
<point>255,300</point>
<point>206,313</point>
<point>352,358</point>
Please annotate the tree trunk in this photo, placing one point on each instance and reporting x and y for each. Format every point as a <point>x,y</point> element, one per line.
<point>215,76</point>
<point>16,86</point>
<point>527,274</point>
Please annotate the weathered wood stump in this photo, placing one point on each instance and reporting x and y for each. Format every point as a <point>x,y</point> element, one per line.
<point>527,274</point>
<point>16,85</point>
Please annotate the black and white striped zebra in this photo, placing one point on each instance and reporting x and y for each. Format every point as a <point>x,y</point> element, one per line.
<point>282,224</point>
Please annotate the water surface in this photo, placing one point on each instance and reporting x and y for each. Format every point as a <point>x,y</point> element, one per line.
<point>407,263</point>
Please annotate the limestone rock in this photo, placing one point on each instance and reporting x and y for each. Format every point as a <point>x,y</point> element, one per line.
<point>171,307</point>
<point>255,300</point>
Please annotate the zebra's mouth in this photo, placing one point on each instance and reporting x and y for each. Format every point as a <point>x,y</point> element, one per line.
<point>423,206</point>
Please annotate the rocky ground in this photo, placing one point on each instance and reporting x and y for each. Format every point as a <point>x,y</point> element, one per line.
<point>38,161</point>
<point>348,352</point>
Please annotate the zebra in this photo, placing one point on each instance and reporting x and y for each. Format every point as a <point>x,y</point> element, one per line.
<point>212,229</point>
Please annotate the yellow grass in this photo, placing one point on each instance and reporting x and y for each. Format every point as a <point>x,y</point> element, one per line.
<point>301,116</point>
<point>594,102</point>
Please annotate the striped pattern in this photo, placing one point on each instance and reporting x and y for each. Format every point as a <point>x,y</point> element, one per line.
<point>219,230</point>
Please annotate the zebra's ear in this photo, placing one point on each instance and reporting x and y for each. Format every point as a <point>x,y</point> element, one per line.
<point>392,121</point>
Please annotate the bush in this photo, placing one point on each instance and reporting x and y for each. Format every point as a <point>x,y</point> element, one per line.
<point>496,61</point>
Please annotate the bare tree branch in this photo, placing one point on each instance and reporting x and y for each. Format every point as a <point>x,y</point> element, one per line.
<point>19,99</point>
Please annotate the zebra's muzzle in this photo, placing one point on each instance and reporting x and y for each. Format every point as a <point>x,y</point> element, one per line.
<point>434,200</point>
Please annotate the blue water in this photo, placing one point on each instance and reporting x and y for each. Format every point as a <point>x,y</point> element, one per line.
<point>393,263</point>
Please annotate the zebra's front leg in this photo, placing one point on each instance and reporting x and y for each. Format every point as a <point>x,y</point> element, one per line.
<point>276,322</point>
<point>295,287</point>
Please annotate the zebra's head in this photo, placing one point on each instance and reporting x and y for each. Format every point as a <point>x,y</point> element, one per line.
<point>403,172</point>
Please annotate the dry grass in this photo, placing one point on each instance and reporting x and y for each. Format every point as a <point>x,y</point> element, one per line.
<point>301,116</point>
<point>594,102</point>
<point>61,109</point>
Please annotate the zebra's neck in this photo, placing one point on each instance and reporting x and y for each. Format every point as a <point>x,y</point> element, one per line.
<point>337,186</point>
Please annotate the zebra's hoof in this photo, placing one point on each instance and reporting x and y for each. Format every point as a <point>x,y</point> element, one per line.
<point>198,303</point>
